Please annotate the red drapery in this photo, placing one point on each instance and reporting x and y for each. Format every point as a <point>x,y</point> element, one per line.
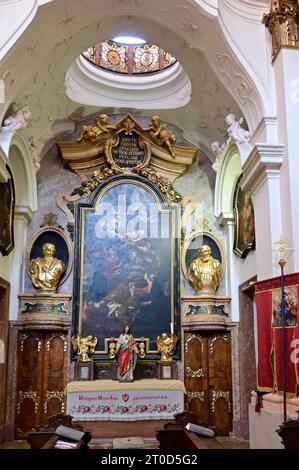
<point>268,305</point>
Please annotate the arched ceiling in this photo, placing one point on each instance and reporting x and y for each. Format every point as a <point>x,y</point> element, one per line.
<point>34,69</point>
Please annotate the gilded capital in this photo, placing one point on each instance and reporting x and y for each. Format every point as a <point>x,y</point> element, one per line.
<point>283,24</point>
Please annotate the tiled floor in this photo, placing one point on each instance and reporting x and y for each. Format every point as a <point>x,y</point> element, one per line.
<point>150,443</point>
<point>232,443</point>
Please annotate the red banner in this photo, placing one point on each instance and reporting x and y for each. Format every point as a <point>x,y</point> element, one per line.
<point>269,327</point>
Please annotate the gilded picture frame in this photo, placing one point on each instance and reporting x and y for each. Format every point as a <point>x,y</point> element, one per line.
<point>7,210</point>
<point>126,277</point>
<point>244,239</point>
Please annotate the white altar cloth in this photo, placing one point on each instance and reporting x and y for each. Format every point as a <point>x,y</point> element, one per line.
<point>109,400</point>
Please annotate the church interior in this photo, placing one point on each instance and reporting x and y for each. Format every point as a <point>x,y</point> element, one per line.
<point>149,221</point>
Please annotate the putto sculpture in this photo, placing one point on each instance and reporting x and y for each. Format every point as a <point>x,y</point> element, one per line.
<point>95,132</point>
<point>18,120</point>
<point>161,135</point>
<point>234,129</point>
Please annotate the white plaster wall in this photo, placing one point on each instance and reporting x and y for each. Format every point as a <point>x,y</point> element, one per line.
<point>241,22</point>
<point>286,67</point>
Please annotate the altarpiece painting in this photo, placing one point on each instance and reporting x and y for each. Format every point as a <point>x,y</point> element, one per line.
<point>244,222</point>
<point>7,208</point>
<point>126,262</point>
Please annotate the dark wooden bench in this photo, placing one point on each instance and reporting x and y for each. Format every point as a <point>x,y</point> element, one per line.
<point>44,437</point>
<point>175,436</point>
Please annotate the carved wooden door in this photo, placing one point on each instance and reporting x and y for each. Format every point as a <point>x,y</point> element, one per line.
<point>208,378</point>
<point>4,313</point>
<point>41,378</point>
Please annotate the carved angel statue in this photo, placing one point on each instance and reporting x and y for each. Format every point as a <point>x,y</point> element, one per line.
<point>217,149</point>
<point>19,119</point>
<point>95,132</point>
<point>166,344</point>
<point>84,346</point>
<point>234,129</point>
<point>161,135</point>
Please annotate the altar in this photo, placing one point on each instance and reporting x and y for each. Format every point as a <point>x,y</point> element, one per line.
<point>109,400</point>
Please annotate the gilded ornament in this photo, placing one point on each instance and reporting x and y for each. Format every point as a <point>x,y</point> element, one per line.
<point>84,346</point>
<point>195,395</point>
<point>166,344</point>
<point>194,374</point>
<point>112,348</point>
<point>283,24</point>
<point>54,394</point>
<point>216,395</point>
<point>141,346</point>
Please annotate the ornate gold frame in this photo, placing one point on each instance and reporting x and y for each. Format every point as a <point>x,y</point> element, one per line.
<point>188,241</point>
<point>68,243</point>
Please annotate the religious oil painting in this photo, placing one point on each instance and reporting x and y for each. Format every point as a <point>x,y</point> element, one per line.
<point>244,222</point>
<point>291,307</point>
<point>7,207</point>
<point>126,263</point>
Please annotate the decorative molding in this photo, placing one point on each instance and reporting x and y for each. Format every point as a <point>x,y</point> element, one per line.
<point>88,84</point>
<point>264,162</point>
<point>195,395</point>
<point>23,396</point>
<point>266,131</point>
<point>84,155</point>
<point>248,9</point>
<point>283,24</point>
<point>216,395</point>
<point>54,394</point>
<point>165,186</point>
<point>216,338</point>
<point>190,338</point>
<point>62,337</point>
<point>194,374</point>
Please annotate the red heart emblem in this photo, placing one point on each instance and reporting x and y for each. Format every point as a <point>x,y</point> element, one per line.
<point>125,397</point>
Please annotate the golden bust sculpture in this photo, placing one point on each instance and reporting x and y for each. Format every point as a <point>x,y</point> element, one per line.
<point>205,272</point>
<point>166,346</point>
<point>161,135</point>
<point>46,272</point>
<point>95,132</point>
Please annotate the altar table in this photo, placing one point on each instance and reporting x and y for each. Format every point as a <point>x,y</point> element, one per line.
<point>109,400</point>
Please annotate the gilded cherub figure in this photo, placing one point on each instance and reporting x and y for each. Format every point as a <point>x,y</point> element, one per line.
<point>161,135</point>
<point>166,345</point>
<point>84,346</point>
<point>95,132</point>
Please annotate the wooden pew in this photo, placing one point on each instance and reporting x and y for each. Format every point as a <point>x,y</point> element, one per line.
<point>175,436</point>
<point>44,437</point>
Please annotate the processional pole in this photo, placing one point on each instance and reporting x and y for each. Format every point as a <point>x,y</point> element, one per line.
<point>282,249</point>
